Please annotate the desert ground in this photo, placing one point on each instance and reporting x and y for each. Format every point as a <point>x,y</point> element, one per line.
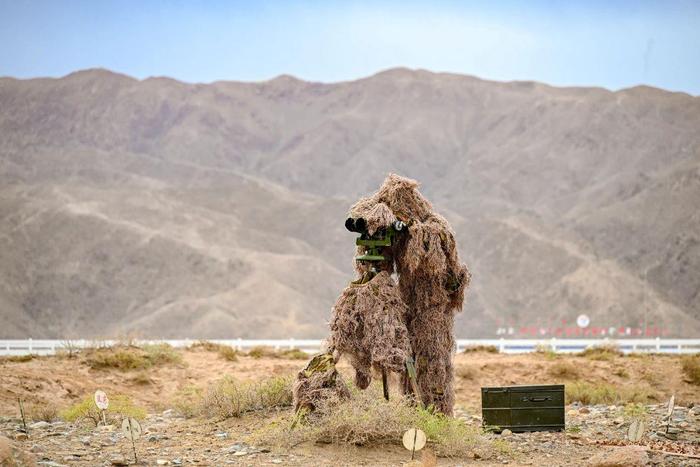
<point>606,391</point>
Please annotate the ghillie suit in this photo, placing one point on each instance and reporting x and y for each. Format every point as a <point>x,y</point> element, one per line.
<point>431,282</point>
<point>368,325</point>
<point>318,381</point>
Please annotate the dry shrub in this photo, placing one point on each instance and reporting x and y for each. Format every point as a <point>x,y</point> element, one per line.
<point>602,352</point>
<point>603,393</point>
<point>228,353</point>
<point>690,364</point>
<point>131,357</point>
<point>621,372</point>
<point>481,349</point>
<point>120,406</point>
<point>46,411</point>
<point>230,398</point>
<point>366,419</point>
<point>187,401</point>
<point>564,370</point>
<point>18,358</point>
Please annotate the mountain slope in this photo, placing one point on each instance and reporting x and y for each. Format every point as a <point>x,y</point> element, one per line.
<point>174,209</point>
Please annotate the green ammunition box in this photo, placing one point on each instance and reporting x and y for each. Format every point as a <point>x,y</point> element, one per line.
<point>523,408</point>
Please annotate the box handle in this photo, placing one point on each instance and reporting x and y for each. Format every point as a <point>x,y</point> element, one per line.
<point>537,399</point>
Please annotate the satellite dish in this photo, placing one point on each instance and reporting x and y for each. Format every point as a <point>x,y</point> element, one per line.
<point>583,321</point>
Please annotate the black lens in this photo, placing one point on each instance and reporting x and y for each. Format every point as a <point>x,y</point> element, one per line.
<point>360,225</point>
<point>350,224</point>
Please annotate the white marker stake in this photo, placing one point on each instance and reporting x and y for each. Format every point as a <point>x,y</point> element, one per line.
<point>102,402</point>
<point>414,440</point>
<point>132,430</point>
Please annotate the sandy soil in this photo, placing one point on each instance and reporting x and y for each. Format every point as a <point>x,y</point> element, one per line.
<point>62,381</point>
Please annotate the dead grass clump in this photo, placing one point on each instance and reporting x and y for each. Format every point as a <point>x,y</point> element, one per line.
<point>18,358</point>
<point>205,345</point>
<point>119,357</point>
<point>230,398</point>
<point>268,352</point>
<point>38,411</point>
<point>161,354</point>
<point>564,370</point>
<point>228,353</point>
<point>602,352</point>
<point>595,394</point>
<point>131,357</point>
<point>690,364</point>
<point>366,419</point>
<point>481,348</point>
<point>119,406</point>
<point>467,372</point>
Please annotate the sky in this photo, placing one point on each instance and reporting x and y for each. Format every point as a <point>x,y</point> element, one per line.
<point>613,44</point>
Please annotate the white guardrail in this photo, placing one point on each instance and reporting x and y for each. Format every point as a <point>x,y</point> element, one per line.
<point>658,345</point>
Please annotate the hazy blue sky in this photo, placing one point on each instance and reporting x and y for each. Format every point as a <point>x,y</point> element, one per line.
<point>602,43</point>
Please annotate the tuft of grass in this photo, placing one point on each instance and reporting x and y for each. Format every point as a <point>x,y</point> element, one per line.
<point>161,354</point>
<point>635,410</point>
<point>690,364</point>
<point>230,398</point>
<point>366,419</point>
<point>602,352</point>
<point>119,357</point>
<point>481,348</point>
<point>228,353</point>
<point>564,370</point>
<point>593,394</point>
<point>188,401</point>
<point>621,372</point>
<point>123,357</point>
<point>206,345</point>
<point>119,406</point>
<point>18,358</point>
<point>46,411</point>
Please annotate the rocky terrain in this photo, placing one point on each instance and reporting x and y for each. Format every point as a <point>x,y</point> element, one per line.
<point>171,209</point>
<point>596,434</point>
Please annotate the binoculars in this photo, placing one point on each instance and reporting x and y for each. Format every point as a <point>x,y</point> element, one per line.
<point>383,237</point>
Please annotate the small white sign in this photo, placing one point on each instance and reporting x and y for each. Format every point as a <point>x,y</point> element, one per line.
<point>101,400</point>
<point>131,429</point>
<point>583,321</point>
<point>414,439</point>
<point>636,430</point>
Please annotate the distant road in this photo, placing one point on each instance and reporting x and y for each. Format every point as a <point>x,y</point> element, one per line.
<point>672,346</point>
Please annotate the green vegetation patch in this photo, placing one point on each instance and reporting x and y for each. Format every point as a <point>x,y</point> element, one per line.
<point>120,406</point>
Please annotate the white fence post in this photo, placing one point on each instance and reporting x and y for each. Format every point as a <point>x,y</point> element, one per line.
<point>658,344</point>
<point>501,345</point>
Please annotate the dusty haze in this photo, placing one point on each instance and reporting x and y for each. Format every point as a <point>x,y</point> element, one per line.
<point>216,210</point>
